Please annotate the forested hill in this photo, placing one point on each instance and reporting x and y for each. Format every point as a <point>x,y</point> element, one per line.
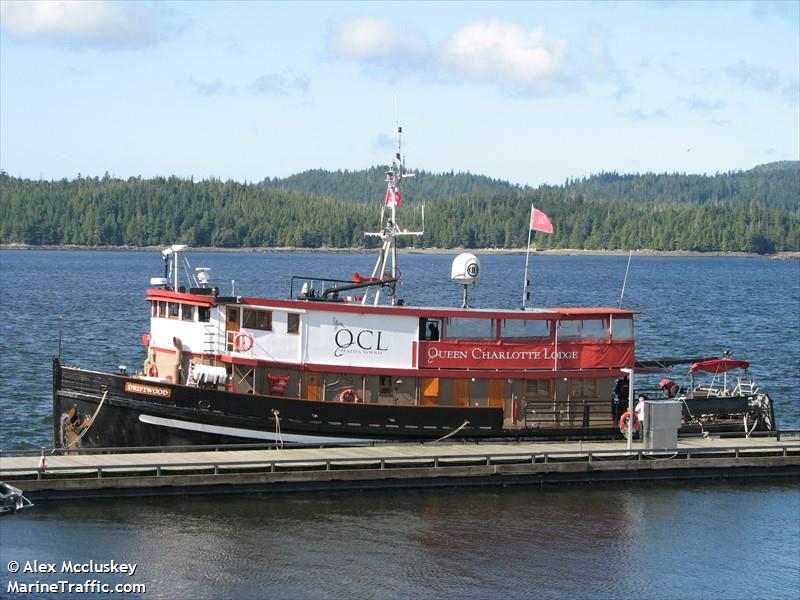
<point>752,211</point>
<point>368,184</point>
<point>774,184</point>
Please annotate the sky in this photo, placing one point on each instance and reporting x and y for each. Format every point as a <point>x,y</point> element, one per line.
<point>529,92</point>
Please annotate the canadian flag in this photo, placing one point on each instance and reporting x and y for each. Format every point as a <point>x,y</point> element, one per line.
<point>393,197</point>
<point>540,221</point>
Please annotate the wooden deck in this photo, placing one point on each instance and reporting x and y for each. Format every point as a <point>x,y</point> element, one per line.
<point>400,465</point>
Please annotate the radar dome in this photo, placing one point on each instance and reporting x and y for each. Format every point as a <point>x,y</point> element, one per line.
<point>466,268</point>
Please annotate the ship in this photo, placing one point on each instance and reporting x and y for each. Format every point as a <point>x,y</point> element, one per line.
<point>348,361</point>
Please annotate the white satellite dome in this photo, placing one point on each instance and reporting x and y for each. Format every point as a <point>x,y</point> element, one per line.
<point>466,268</point>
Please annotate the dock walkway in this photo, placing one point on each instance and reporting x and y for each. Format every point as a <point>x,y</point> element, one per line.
<point>89,474</point>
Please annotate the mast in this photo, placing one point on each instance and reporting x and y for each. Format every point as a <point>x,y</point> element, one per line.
<point>386,264</point>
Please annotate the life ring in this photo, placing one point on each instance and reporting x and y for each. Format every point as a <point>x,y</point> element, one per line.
<point>623,421</point>
<point>153,370</point>
<point>349,395</point>
<point>243,342</point>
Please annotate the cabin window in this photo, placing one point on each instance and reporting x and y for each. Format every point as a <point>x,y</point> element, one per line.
<point>429,330</point>
<point>583,388</point>
<point>187,312</point>
<point>162,309</point>
<point>622,329</point>
<point>173,309</point>
<point>594,329</point>
<point>460,328</point>
<point>569,330</point>
<point>203,314</point>
<point>591,329</point>
<point>257,319</point>
<point>520,328</point>
<point>293,323</point>
<point>537,388</point>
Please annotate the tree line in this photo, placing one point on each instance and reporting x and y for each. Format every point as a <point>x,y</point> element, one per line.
<point>461,210</point>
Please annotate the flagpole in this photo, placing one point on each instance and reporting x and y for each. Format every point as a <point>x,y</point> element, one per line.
<point>527,255</point>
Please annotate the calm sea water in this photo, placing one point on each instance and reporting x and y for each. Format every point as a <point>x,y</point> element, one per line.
<point>699,540</point>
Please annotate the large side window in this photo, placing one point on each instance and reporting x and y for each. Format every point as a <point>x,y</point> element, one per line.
<point>583,388</point>
<point>538,388</point>
<point>589,329</point>
<point>293,323</point>
<point>594,329</point>
<point>257,319</point>
<point>521,329</point>
<point>187,312</point>
<point>621,329</point>
<point>461,328</point>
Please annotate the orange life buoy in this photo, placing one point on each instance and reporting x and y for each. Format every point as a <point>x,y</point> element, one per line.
<point>623,421</point>
<point>153,371</point>
<point>243,342</point>
<point>349,395</point>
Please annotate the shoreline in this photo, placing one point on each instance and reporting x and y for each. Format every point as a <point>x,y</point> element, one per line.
<point>453,251</point>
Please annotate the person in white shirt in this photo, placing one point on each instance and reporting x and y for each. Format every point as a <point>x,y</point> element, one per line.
<point>640,414</point>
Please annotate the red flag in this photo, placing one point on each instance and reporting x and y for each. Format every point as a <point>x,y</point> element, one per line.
<point>392,197</point>
<point>540,221</point>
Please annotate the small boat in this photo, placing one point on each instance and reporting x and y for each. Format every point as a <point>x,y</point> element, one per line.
<point>11,499</point>
<point>713,400</point>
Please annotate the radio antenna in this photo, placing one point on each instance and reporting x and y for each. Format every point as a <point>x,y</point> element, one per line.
<point>624,281</point>
<point>386,264</point>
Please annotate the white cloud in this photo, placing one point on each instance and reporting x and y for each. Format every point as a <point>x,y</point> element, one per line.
<point>783,9</point>
<point>504,53</point>
<point>83,22</point>
<point>383,142</point>
<point>274,84</point>
<point>759,77</point>
<point>766,79</point>
<point>701,106</point>
<point>641,115</point>
<point>268,84</point>
<point>369,38</point>
<point>518,60</point>
<point>211,88</point>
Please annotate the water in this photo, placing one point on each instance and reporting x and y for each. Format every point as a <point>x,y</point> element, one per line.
<point>688,540</point>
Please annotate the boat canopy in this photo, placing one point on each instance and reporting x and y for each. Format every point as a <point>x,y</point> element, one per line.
<point>719,365</point>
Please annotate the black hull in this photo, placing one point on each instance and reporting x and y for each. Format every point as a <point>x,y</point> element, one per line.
<point>187,415</point>
<point>163,414</point>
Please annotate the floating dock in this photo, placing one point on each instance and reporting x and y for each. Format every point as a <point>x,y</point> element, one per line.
<point>260,470</point>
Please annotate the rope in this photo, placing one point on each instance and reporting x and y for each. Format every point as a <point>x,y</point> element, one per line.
<point>693,418</point>
<point>91,422</point>
<point>455,431</point>
<point>747,433</point>
<point>662,458</point>
<point>278,436</point>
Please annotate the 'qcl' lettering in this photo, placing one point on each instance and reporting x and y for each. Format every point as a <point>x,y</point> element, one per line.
<point>365,340</point>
